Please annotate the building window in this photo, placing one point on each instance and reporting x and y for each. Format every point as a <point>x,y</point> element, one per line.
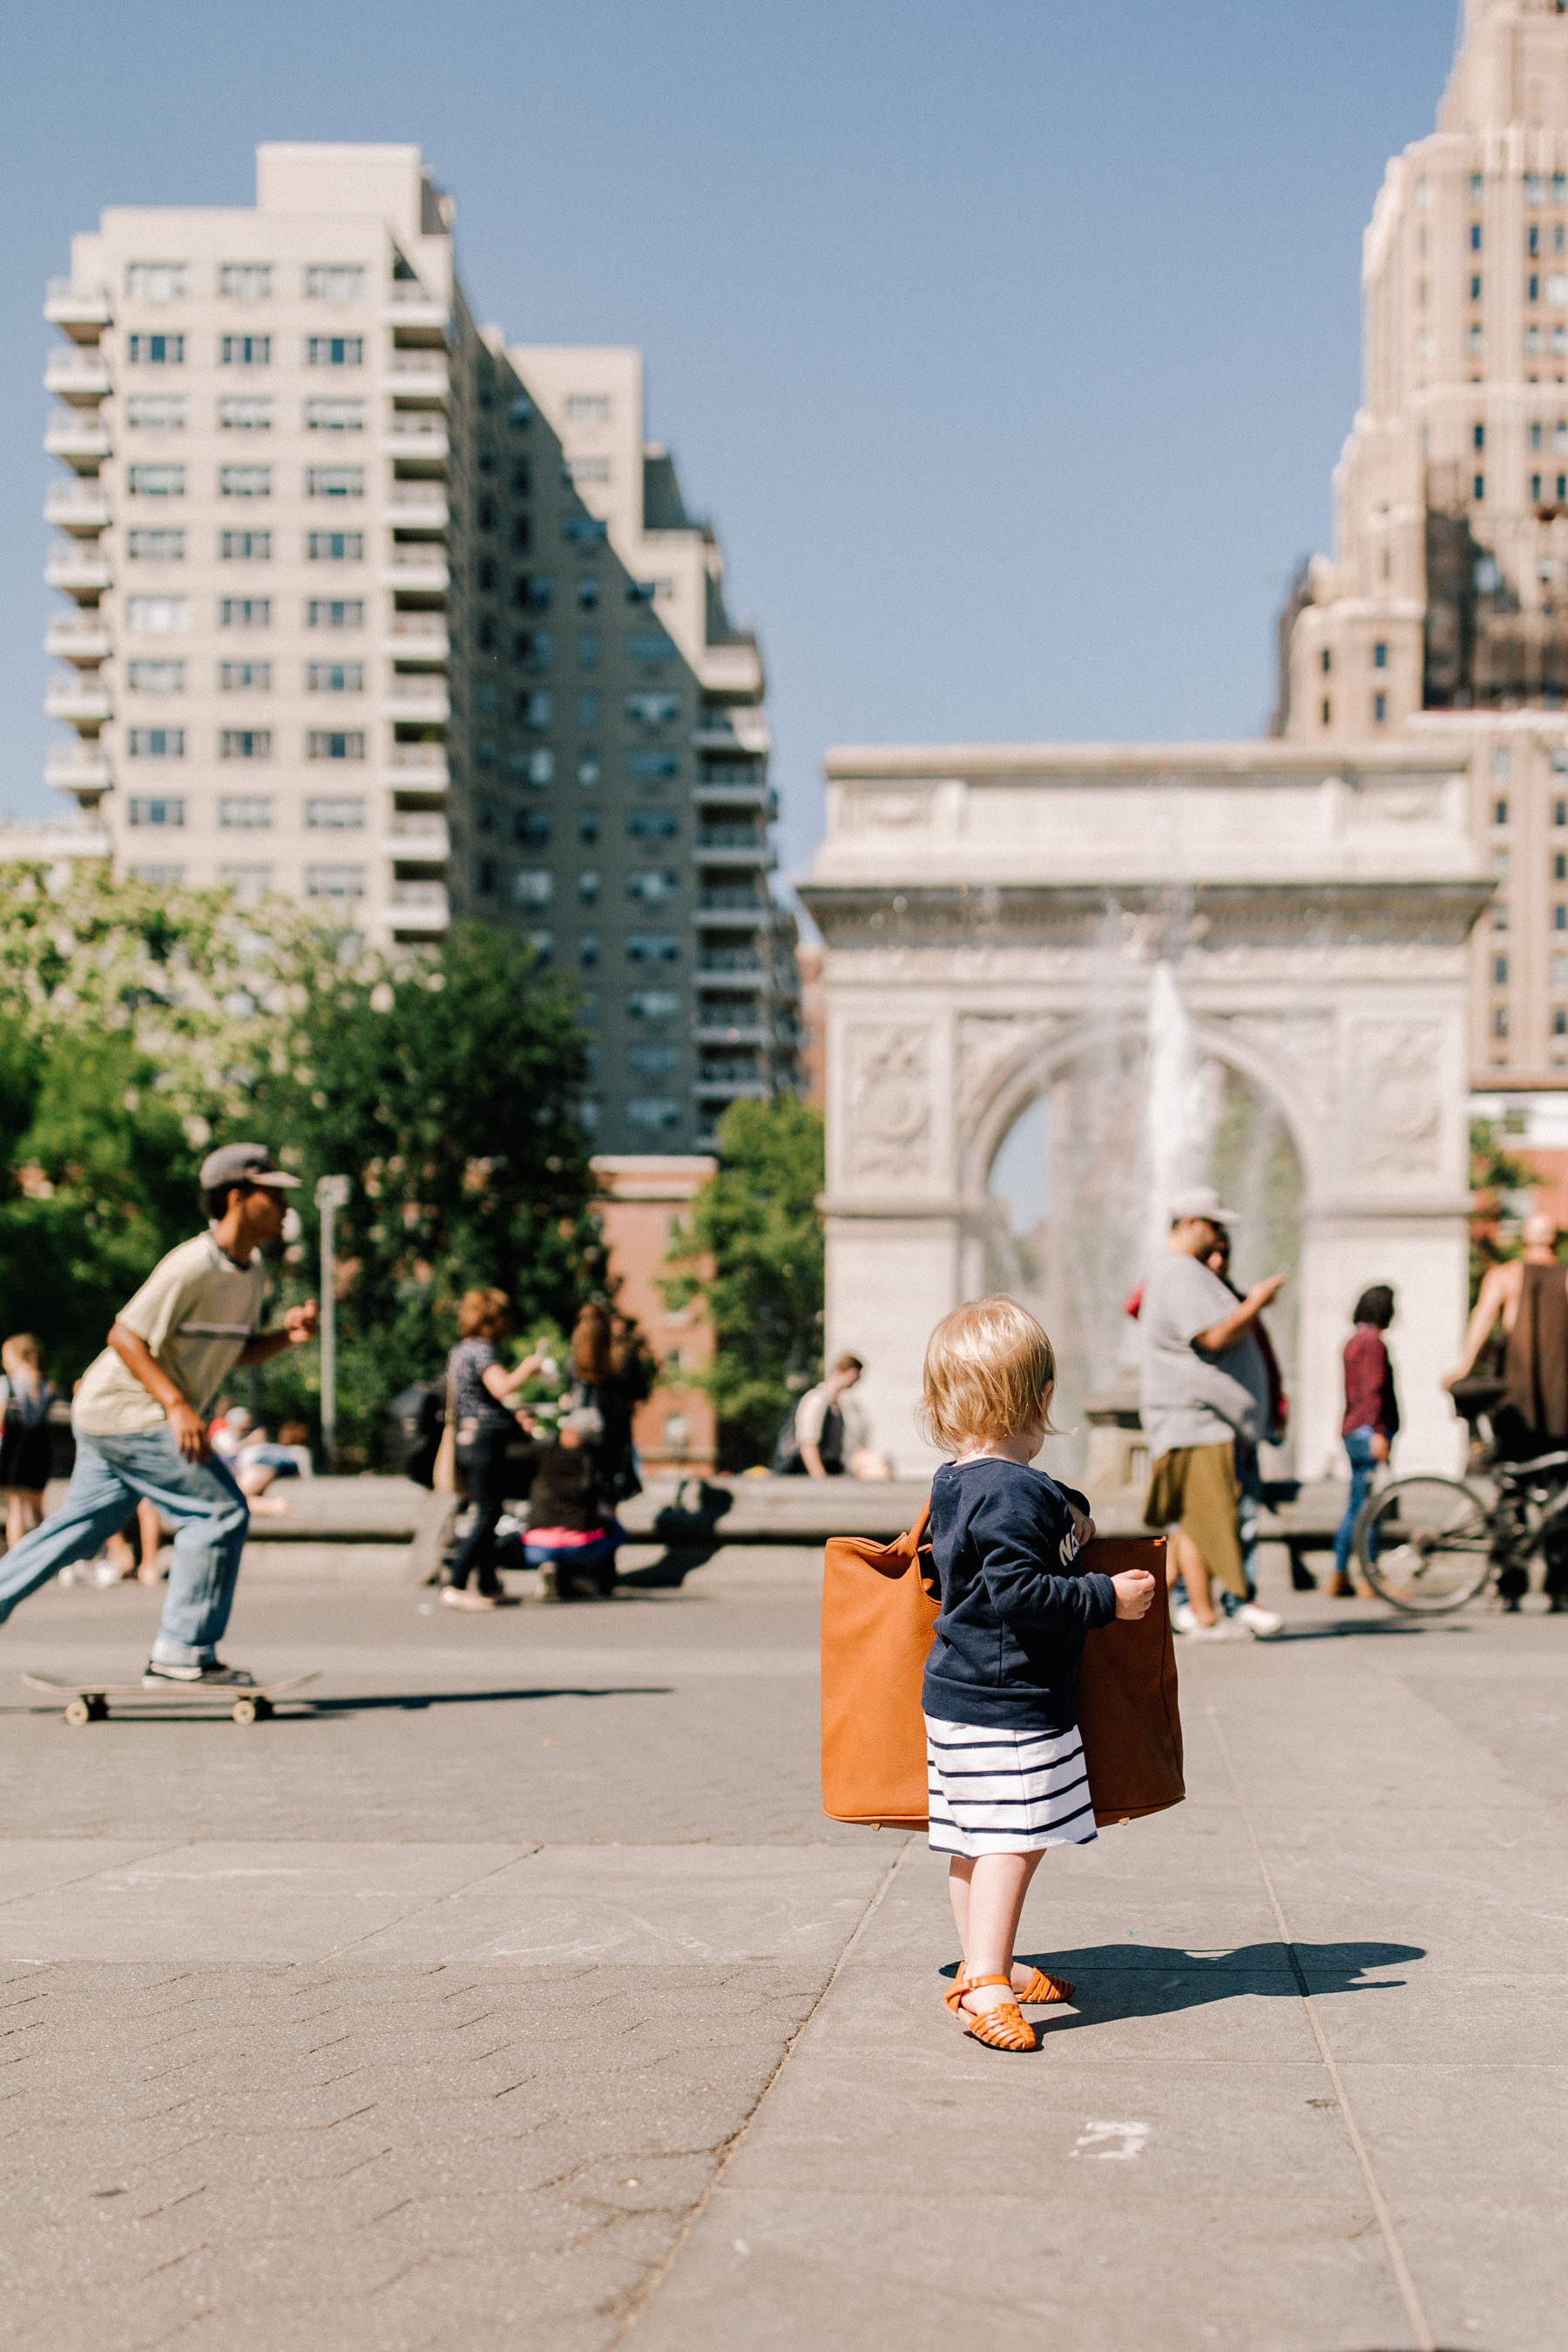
<point>656,767</point>
<point>1535,488</point>
<point>537,767</point>
<point>1475,289</point>
<point>1499,1021</point>
<point>157,676</point>
<point>171,814</point>
<point>653,1004</point>
<point>588,885</point>
<point>334,612</point>
<point>653,709</point>
<point>155,281</point>
<point>236,414</point>
<point>535,709</point>
<point>1500,812</point>
<point>158,616</point>
<point>339,814</point>
<point>587,827</point>
<point>1499,971</point>
<point>334,415</point>
<point>1560,867</point>
<point>244,743</point>
<point>653,947</point>
<point>653,824</point>
<point>588,769</point>
<point>1560,919</point>
<point>245,613</point>
<point>588,648</point>
<point>1480,488</point>
<point>245,677</point>
<point>250,814</point>
<point>1328,711</point>
<point>334,677</point>
<point>246,282</point>
<point>587,592</point>
<point>1326,660</point>
<point>1532,187</point>
<point>1379,657</point>
<point>588,950</point>
<point>249,884</point>
<point>156,481</point>
<point>335,281</point>
<point>334,482</point>
<point>322,744</point>
<point>157,743</point>
<point>532,885</point>
<point>245,351</point>
<point>587,408</point>
<point>585,531</point>
<point>156,350</point>
<point>653,887</point>
<point>577,470</point>
<point>245,546</point>
<point>531,827</point>
<point>245,481</point>
<point>334,881</point>
<point>335,546</point>
<point>166,877</point>
<point>653,1061</point>
<point>1379,709</point>
<point>655,1113</point>
<point>334,351</point>
<point>155,546</point>
<point>1475,237</point>
<point>156,411</point>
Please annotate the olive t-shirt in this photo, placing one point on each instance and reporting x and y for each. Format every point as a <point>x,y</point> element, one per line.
<point>195,1311</point>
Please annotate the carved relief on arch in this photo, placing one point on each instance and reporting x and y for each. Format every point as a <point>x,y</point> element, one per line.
<point>1393,1121</point>
<point>1296,1049</point>
<point>887,1100</point>
<point>990,1047</point>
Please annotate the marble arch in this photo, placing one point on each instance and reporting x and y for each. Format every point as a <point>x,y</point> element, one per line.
<point>1319,910</point>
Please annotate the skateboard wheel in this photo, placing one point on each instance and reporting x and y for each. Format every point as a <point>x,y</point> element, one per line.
<point>247,1710</point>
<point>79,1711</point>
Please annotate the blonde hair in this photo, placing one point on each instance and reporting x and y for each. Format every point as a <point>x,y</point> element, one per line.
<point>24,1346</point>
<point>987,1368</point>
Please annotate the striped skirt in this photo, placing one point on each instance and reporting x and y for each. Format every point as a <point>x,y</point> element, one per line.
<point>998,1792</point>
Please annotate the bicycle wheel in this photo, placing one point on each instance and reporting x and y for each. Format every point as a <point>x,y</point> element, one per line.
<point>1425,1545</point>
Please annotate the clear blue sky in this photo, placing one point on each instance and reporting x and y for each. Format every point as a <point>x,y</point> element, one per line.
<point>1008,342</point>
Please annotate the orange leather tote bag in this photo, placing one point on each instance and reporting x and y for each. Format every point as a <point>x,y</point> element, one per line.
<point>879,1604</point>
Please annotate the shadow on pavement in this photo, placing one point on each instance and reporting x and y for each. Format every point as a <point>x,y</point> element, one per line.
<point>689,1530</point>
<point>303,1710</point>
<point>1158,1979</point>
<point>1358,1631</point>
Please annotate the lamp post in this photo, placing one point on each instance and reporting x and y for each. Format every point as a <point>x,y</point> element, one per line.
<point>331,1195</point>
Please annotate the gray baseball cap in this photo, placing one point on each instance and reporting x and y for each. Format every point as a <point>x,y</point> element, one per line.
<point>243,1163</point>
<point>1202,1201</point>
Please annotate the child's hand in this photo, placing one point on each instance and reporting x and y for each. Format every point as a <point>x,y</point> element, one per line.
<point>1082,1526</point>
<point>1134,1591</point>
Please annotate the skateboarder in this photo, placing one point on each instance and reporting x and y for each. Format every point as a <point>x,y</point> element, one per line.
<point>139,1418</point>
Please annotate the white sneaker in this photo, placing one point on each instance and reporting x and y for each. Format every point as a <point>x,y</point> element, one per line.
<point>1263,1622</point>
<point>1224,1629</point>
<point>1182,1618</point>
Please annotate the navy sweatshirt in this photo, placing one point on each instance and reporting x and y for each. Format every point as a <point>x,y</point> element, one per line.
<point>1015,1605</point>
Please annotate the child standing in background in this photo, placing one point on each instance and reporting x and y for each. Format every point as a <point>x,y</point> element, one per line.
<point>1005,1761</point>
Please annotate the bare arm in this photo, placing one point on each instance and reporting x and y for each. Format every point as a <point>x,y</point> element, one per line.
<point>1221,1336</point>
<point>504,1384</point>
<point>298,1324</point>
<point>1496,1286</point>
<point>188,1427</point>
<point>812,1457</point>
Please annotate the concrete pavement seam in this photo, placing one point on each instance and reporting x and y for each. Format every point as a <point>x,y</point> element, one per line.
<point>640,2301</point>
<point>336,1951</point>
<point>1424,2340</point>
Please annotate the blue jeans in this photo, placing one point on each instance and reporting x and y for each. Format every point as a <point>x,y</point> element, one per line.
<point>210,1520</point>
<point>1358,1445</point>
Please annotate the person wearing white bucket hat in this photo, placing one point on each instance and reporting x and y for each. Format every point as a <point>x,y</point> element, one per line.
<point>140,1417</point>
<point>1204,1385</point>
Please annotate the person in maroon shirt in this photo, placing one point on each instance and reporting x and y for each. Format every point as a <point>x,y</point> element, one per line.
<point>1372,1416</point>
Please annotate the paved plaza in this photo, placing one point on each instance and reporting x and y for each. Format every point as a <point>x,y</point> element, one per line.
<point>519,1993</point>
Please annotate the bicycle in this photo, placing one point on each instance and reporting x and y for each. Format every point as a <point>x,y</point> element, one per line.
<point>1428,1545</point>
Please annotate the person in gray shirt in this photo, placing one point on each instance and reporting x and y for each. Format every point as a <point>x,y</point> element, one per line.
<point>1204,1385</point>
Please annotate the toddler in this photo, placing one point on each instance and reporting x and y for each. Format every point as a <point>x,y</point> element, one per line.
<point>1004,1759</point>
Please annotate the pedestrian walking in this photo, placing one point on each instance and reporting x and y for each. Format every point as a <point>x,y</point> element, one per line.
<point>826,1431</point>
<point>1529,1297</point>
<point>485,1430</point>
<point>140,1417</point>
<point>1004,1760</point>
<point>1248,1463</point>
<point>24,1438</point>
<point>1205,1383</point>
<point>1371,1421</point>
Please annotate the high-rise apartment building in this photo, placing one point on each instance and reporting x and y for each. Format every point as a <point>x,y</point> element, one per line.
<point>368,611</point>
<point>1445,606</point>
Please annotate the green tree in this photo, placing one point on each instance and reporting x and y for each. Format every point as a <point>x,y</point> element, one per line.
<point>445,1084</point>
<point>1501,1184</point>
<point>751,1251</point>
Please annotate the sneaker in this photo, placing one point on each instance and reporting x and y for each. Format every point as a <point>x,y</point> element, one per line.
<point>1262,1622</point>
<point>457,1596</point>
<point>1182,1618</point>
<point>1224,1629</point>
<point>225,1677</point>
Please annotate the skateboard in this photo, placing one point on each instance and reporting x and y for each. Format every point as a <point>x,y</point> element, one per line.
<point>88,1702</point>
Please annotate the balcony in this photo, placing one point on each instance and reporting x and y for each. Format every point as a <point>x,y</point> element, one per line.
<point>81,315</point>
<point>414,377</point>
<point>79,768</point>
<point>82,572</point>
<point>735,788</point>
<point>742,857</point>
<point>415,570</point>
<point>420,909</point>
<point>410,308</point>
<point>77,375</point>
<point>74,637</point>
<point>420,840</point>
<point>708,1033</point>
<point>419,506</point>
<point>417,441</point>
<point>731,967</point>
<point>72,507</point>
<point>415,701</point>
<point>79,702</point>
<point>751,1088</point>
<point>82,441</point>
<point>417,640</point>
<point>416,768</point>
<point>732,730</point>
<point>729,669</point>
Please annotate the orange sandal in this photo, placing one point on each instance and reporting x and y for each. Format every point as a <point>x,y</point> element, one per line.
<point>1002,2028</point>
<point>1041,1992</point>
